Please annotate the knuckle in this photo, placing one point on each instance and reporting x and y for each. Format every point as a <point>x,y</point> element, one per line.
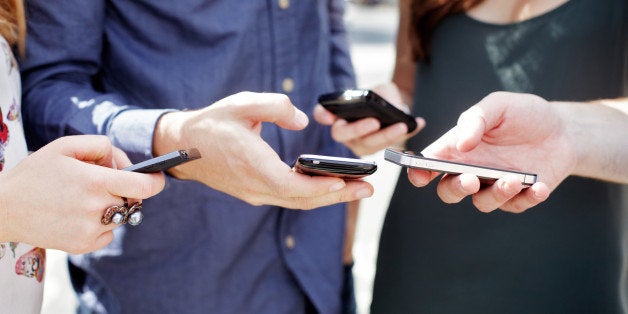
<point>498,95</point>
<point>517,207</point>
<point>482,206</point>
<point>282,98</point>
<point>145,189</point>
<point>244,94</point>
<point>240,98</point>
<point>339,134</point>
<point>450,200</point>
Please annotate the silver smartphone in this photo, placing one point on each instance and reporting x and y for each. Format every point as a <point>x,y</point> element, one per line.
<point>411,160</point>
<point>346,168</point>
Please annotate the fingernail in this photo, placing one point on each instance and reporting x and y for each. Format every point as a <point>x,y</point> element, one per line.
<point>401,128</point>
<point>338,186</point>
<point>372,125</point>
<point>363,193</point>
<point>536,194</point>
<point>301,118</point>
<point>503,185</point>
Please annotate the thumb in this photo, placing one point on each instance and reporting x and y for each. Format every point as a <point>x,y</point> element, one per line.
<point>323,116</point>
<point>480,119</point>
<point>275,108</point>
<point>470,129</point>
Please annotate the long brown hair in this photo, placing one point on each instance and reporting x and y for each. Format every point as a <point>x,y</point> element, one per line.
<point>13,23</point>
<point>426,15</point>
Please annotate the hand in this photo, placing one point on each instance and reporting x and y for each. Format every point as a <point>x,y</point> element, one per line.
<point>237,161</point>
<point>364,136</point>
<point>56,197</point>
<point>505,130</point>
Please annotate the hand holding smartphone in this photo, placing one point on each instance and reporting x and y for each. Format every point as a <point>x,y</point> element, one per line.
<point>356,104</point>
<point>409,159</point>
<point>346,168</point>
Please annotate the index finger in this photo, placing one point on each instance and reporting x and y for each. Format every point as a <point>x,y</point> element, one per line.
<point>96,149</point>
<point>132,184</point>
<point>354,190</point>
<point>421,178</point>
<point>324,116</point>
<point>270,107</point>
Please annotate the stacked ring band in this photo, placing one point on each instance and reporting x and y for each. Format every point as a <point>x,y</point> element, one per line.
<point>121,214</point>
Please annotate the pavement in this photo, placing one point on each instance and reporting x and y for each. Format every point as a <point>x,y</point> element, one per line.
<point>372,30</point>
<point>372,33</point>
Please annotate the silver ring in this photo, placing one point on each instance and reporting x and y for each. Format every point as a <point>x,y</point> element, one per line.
<point>121,214</point>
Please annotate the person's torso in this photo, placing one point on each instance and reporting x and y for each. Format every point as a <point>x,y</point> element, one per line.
<point>561,256</point>
<point>203,249</point>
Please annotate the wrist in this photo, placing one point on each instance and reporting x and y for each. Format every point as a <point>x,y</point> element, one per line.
<point>572,135</point>
<point>5,223</point>
<point>168,137</point>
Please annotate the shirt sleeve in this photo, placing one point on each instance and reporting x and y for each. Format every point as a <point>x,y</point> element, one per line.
<point>341,66</point>
<point>61,73</point>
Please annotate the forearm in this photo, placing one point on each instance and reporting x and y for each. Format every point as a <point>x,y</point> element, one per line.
<point>5,233</point>
<point>63,90</point>
<point>56,107</point>
<point>599,133</point>
<point>404,71</point>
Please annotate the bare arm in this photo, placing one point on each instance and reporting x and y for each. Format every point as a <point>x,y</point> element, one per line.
<point>599,131</point>
<point>404,72</point>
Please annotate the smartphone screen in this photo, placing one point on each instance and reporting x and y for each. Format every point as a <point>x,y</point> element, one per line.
<point>347,168</point>
<point>356,104</point>
<point>411,160</point>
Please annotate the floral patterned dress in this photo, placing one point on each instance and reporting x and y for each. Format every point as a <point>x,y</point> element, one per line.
<point>21,265</point>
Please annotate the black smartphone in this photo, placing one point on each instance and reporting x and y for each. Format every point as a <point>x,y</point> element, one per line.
<point>346,168</point>
<point>164,162</point>
<point>411,160</point>
<point>356,104</point>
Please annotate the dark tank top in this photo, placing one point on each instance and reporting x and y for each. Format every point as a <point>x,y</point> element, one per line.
<point>563,256</point>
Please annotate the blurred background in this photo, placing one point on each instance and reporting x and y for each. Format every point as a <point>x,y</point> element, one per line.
<point>372,26</point>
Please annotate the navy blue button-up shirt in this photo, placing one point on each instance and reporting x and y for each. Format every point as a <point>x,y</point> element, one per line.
<point>113,67</point>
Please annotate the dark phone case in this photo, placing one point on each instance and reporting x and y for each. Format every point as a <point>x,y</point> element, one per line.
<point>353,105</point>
<point>164,162</point>
<point>343,169</point>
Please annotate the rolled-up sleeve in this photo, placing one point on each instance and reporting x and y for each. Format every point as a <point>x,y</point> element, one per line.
<point>61,72</point>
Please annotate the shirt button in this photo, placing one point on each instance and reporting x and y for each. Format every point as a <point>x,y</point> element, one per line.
<point>284,4</point>
<point>289,242</point>
<point>287,85</point>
